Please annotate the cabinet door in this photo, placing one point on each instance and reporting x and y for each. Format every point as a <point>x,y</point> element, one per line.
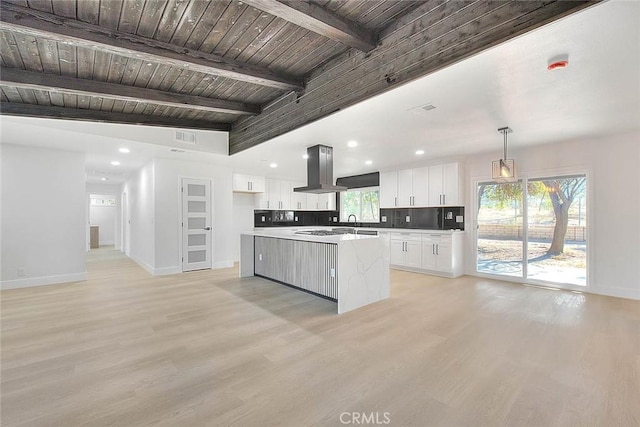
<point>397,252</point>
<point>451,185</point>
<point>435,185</point>
<point>299,201</point>
<point>240,183</point>
<point>312,201</point>
<point>285,195</point>
<point>258,184</point>
<point>388,189</point>
<point>413,254</point>
<point>327,201</point>
<point>273,191</point>
<point>405,188</point>
<point>444,258</point>
<point>421,187</point>
<point>262,201</point>
<point>429,255</point>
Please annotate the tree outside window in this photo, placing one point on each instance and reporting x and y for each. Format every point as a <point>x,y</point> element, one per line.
<point>364,203</point>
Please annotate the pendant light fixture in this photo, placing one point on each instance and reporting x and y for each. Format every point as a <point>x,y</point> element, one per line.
<point>504,170</point>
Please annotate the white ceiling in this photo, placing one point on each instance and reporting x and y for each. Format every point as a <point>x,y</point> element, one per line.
<point>509,85</point>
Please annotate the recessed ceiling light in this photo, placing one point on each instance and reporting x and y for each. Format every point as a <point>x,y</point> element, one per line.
<point>124,150</point>
<point>368,162</point>
<point>273,165</point>
<point>419,152</point>
<point>352,144</point>
<point>305,156</point>
<point>104,179</point>
<point>115,163</point>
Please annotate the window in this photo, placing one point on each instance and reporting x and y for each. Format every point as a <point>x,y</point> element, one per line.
<point>100,200</point>
<point>364,203</point>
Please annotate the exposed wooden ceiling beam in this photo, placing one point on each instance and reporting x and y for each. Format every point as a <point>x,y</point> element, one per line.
<point>75,86</point>
<point>319,20</point>
<point>41,24</point>
<point>52,112</point>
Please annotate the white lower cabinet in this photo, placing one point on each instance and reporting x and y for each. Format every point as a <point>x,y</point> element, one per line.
<point>406,249</point>
<point>439,254</point>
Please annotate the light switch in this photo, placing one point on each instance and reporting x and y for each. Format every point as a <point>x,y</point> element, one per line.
<point>459,218</point>
<point>262,219</point>
<point>407,218</point>
<point>259,257</point>
<point>383,218</point>
<point>296,219</point>
<point>332,272</point>
<point>335,219</point>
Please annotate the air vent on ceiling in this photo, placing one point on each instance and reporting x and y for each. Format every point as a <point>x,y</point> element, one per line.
<point>186,137</point>
<point>175,150</point>
<point>422,108</point>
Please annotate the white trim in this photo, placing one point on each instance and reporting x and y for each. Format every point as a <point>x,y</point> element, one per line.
<point>165,271</point>
<point>42,281</point>
<point>221,264</point>
<point>142,264</point>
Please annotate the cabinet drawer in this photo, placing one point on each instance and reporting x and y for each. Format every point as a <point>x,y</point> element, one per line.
<point>406,237</point>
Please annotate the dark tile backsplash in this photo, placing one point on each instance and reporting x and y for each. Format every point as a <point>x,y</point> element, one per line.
<point>413,218</point>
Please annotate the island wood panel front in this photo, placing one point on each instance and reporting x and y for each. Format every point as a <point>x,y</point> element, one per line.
<point>310,266</point>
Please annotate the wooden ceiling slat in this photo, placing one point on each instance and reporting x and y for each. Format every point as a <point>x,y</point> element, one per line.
<point>170,20</point>
<point>70,101</point>
<point>360,9</point>
<point>158,76</point>
<point>250,35</point>
<point>129,106</point>
<point>181,81</point>
<point>190,19</point>
<point>387,15</point>
<point>66,8</point>
<point>260,42</point>
<point>274,49</point>
<point>118,106</point>
<point>83,102</point>
<point>226,21</point>
<point>328,49</point>
<point>202,85</point>
<point>68,59</point>
<point>140,107</point>
<point>147,70</point>
<point>3,97</point>
<point>107,104</point>
<point>101,66</point>
<point>42,97</point>
<point>89,11</point>
<point>170,78</point>
<point>49,56</point>
<point>110,14</point>
<point>27,95</point>
<point>131,71</point>
<point>10,52</point>
<point>117,66</point>
<point>22,3</point>
<point>57,99</point>
<point>86,63</point>
<point>18,109</point>
<point>297,50</point>
<point>2,61</point>
<point>150,18</point>
<point>130,16</point>
<point>244,23</point>
<point>12,94</point>
<point>28,48</point>
<point>206,24</point>
<point>192,83</point>
<point>95,103</point>
<point>43,5</point>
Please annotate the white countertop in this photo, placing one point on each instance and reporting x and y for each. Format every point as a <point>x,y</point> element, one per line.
<point>379,230</point>
<point>291,235</point>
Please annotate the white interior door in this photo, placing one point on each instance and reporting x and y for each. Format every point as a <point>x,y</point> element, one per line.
<point>196,224</point>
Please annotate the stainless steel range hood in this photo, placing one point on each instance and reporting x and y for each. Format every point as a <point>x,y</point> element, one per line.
<point>320,171</point>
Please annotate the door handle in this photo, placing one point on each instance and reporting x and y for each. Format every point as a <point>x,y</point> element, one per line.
<point>433,248</point>
<point>437,249</point>
<point>207,228</point>
<point>444,199</point>
<point>395,201</point>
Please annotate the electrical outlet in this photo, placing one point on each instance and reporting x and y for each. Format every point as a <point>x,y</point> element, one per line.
<point>21,272</point>
<point>407,218</point>
<point>263,219</point>
<point>259,257</point>
<point>459,218</point>
<point>335,219</point>
<point>332,272</point>
<point>296,219</point>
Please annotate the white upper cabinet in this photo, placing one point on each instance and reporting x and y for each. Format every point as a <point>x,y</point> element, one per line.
<point>248,183</point>
<point>444,185</point>
<point>327,202</point>
<point>436,185</point>
<point>388,189</point>
<point>299,200</point>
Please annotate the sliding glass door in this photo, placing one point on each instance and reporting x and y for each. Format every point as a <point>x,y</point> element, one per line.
<point>500,233</point>
<point>534,229</point>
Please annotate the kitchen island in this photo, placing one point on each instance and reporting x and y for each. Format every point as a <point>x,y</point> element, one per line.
<point>352,270</point>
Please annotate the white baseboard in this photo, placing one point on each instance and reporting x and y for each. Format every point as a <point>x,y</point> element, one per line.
<point>165,271</point>
<point>614,291</point>
<point>107,243</point>
<point>42,281</point>
<point>142,264</point>
<point>222,264</point>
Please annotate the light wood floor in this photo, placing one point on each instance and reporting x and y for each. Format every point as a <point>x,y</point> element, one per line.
<point>207,348</point>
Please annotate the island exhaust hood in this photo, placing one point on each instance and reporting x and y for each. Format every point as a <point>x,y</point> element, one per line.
<point>319,171</point>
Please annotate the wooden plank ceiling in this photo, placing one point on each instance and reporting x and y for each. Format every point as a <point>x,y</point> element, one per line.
<point>257,68</point>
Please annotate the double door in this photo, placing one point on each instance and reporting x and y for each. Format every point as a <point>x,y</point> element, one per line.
<point>406,249</point>
<point>437,253</point>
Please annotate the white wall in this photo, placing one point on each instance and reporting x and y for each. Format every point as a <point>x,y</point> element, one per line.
<point>140,193</point>
<point>614,203</point>
<point>105,218</point>
<point>168,211</point>
<point>43,216</point>
<point>243,206</point>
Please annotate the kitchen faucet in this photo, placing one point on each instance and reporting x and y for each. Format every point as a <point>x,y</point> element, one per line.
<point>355,218</point>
